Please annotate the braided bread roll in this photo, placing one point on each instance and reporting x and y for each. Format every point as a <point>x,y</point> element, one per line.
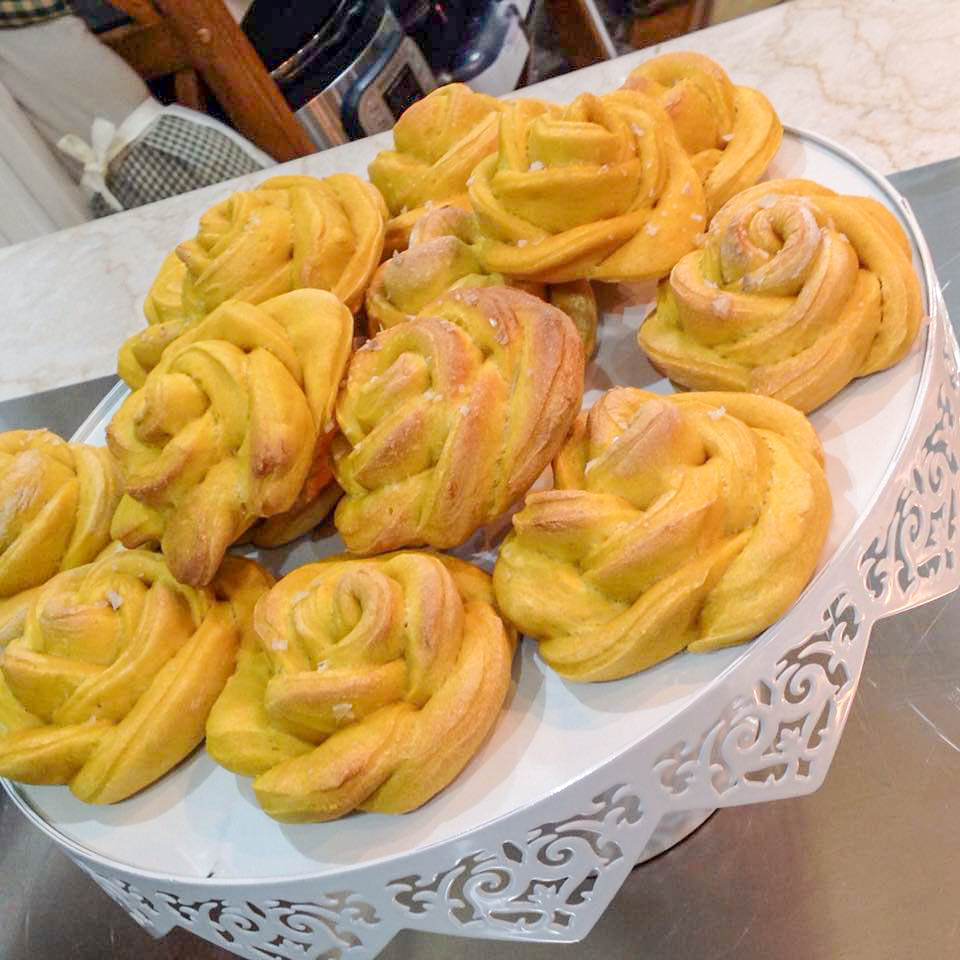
<point>286,234</point>
<point>56,503</point>
<point>684,522</point>
<point>373,684</point>
<point>441,257</point>
<point>796,291</point>
<point>447,419</point>
<point>599,190</point>
<point>731,133</point>
<point>229,427</point>
<point>438,258</point>
<point>109,682</point>
<point>438,141</point>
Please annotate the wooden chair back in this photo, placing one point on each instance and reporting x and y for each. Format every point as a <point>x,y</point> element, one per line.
<point>200,44</point>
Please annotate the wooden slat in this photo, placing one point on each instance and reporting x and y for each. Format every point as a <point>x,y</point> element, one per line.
<point>576,33</point>
<point>221,53</point>
<point>190,90</point>
<point>670,23</point>
<point>152,51</point>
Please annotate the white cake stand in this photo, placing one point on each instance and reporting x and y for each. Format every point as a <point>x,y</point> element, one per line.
<point>577,783</point>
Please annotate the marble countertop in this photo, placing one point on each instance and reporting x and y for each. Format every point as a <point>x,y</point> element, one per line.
<point>877,76</point>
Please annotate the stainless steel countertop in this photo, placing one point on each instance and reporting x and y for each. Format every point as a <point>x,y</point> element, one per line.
<point>861,870</point>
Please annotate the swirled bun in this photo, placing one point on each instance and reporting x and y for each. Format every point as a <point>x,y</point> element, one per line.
<point>449,418</point>
<point>370,685</point>
<point>229,427</point>
<point>600,189</point>
<point>730,132</point>
<point>437,142</point>
<point>796,291</point>
<point>441,256</point>
<point>286,234</point>
<point>109,681</point>
<point>56,503</point>
<point>690,521</point>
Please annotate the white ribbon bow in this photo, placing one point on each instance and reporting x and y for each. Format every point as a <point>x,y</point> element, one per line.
<point>96,157</point>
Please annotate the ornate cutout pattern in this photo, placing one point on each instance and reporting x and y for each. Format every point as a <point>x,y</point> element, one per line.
<point>781,732</point>
<point>535,887</point>
<point>324,929</point>
<point>920,542</point>
<point>297,928</point>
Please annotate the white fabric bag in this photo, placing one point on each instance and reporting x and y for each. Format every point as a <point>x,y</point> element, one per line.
<point>158,152</point>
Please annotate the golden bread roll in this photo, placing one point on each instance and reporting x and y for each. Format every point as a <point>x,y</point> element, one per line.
<point>286,234</point>
<point>731,133</point>
<point>691,521</point>
<point>441,257</point>
<point>600,189</point>
<point>447,419</point>
<point>56,503</point>
<point>230,427</point>
<point>110,680</point>
<point>795,291</point>
<point>373,684</point>
<point>438,141</point>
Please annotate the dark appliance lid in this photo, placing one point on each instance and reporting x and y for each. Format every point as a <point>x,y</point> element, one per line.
<point>301,36</point>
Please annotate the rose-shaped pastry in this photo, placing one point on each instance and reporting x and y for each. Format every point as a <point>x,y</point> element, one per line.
<point>599,190</point>
<point>230,426</point>
<point>56,503</point>
<point>286,234</point>
<point>110,680</point>
<point>447,419</point>
<point>373,684</point>
<point>438,141</point>
<point>441,257</point>
<point>795,292</point>
<point>731,133</point>
<point>684,522</point>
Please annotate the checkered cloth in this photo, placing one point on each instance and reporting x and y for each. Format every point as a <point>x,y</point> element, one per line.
<point>21,13</point>
<point>172,156</point>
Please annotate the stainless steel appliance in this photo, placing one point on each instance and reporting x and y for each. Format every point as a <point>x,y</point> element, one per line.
<point>346,68</point>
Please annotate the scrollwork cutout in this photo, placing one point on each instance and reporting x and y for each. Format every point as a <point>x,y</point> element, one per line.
<point>784,730</point>
<point>920,541</point>
<point>282,928</point>
<point>535,886</point>
<point>321,929</point>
